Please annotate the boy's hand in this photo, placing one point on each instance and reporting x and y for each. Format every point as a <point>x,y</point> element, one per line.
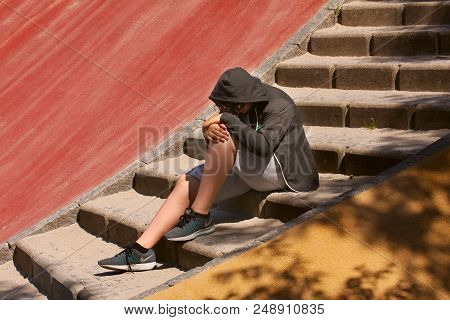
<point>211,120</point>
<point>216,132</point>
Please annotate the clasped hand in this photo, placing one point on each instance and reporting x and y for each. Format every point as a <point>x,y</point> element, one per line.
<point>214,131</point>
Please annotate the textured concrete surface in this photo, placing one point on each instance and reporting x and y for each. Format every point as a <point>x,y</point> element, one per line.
<point>107,216</point>
<point>341,40</point>
<point>368,13</point>
<point>14,286</point>
<point>433,12</point>
<point>363,151</point>
<point>389,142</point>
<point>425,77</point>
<point>226,238</point>
<point>361,108</point>
<point>64,264</point>
<point>288,205</point>
<point>387,242</point>
<point>285,206</point>
<point>158,178</point>
<point>417,73</point>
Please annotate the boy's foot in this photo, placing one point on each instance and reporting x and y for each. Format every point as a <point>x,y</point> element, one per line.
<point>130,259</point>
<point>191,226</point>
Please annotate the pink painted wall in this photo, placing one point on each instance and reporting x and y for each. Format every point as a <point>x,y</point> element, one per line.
<point>79,78</point>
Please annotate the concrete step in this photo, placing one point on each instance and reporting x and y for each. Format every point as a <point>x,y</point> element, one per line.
<point>367,152</point>
<point>127,214</point>
<point>285,206</point>
<point>419,73</point>
<point>363,108</point>
<point>14,286</point>
<point>414,40</point>
<point>362,151</point>
<point>394,13</point>
<point>63,264</point>
<point>158,178</point>
<point>228,237</point>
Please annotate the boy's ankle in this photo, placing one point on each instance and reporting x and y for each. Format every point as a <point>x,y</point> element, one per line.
<point>201,212</point>
<point>139,247</point>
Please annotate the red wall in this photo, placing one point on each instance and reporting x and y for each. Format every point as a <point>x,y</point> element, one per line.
<point>79,80</point>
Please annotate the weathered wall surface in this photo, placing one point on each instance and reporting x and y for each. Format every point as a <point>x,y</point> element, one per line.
<point>78,79</point>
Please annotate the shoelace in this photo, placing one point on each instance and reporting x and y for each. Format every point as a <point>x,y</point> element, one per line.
<point>184,219</point>
<point>128,252</point>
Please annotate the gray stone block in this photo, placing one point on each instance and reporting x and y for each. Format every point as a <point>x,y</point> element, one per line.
<point>159,178</point>
<point>444,43</point>
<point>436,12</point>
<point>195,145</point>
<point>387,108</point>
<point>333,43</point>
<point>366,13</point>
<point>365,77</point>
<point>328,157</point>
<point>404,43</point>
<point>286,206</point>
<point>227,238</point>
<point>432,117</point>
<point>73,270</point>
<point>390,115</point>
<point>327,114</point>
<point>366,164</point>
<point>14,286</point>
<point>362,146</point>
<point>424,77</point>
<point>299,73</point>
<point>23,261</point>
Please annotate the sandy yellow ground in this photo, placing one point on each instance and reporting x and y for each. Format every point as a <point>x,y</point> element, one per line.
<point>389,242</point>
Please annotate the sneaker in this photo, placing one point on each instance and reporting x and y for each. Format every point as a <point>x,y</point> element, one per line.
<point>191,226</point>
<point>130,259</point>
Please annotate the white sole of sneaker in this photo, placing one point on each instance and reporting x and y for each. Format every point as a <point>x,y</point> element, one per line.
<point>194,235</point>
<point>134,267</point>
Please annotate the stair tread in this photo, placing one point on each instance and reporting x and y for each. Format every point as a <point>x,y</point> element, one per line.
<point>14,286</point>
<point>170,167</point>
<point>119,206</point>
<point>70,255</point>
<point>389,3</point>
<point>368,97</point>
<point>382,142</point>
<point>441,62</point>
<point>231,236</point>
<point>136,210</point>
<point>128,207</point>
<point>331,186</point>
<point>339,30</point>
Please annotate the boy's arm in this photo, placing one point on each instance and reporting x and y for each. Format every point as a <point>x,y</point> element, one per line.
<point>277,117</point>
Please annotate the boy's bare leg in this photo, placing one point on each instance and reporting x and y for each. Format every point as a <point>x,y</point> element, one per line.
<point>189,192</point>
<point>219,161</point>
<point>170,212</point>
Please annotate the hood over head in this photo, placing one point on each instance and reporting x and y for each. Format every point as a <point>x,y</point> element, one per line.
<point>238,86</point>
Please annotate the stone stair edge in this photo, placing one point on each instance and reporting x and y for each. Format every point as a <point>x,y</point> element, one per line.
<point>43,271</point>
<point>56,278</point>
<point>309,58</point>
<point>340,29</point>
<point>14,285</point>
<point>344,145</point>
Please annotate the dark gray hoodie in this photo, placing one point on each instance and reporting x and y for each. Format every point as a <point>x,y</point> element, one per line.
<point>280,131</point>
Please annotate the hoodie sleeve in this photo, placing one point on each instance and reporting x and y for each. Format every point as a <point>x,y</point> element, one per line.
<point>276,119</point>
